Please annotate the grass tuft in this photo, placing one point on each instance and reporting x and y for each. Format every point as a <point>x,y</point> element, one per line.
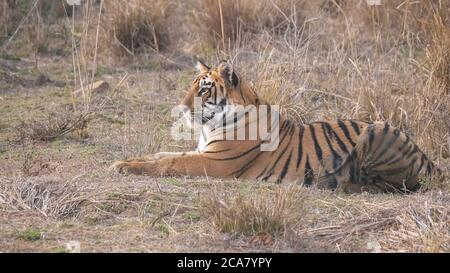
<point>29,234</point>
<point>138,26</point>
<point>54,126</point>
<point>46,196</point>
<point>273,212</point>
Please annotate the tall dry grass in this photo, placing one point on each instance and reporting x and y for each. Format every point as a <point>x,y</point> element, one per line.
<point>138,26</point>
<point>223,23</point>
<point>32,15</point>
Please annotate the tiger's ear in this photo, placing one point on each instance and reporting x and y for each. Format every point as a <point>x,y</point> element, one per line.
<point>201,67</point>
<point>227,72</point>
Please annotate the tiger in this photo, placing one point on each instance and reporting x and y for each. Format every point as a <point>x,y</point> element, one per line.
<point>350,156</point>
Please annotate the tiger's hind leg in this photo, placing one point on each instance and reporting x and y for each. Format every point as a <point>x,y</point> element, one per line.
<point>383,160</point>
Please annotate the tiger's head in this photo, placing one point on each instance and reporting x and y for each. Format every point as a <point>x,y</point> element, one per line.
<point>218,88</point>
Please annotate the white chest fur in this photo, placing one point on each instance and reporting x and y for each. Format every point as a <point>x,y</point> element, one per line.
<point>202,141</point>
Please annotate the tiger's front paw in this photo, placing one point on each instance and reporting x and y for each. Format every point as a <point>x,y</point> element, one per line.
<point>126,167</point>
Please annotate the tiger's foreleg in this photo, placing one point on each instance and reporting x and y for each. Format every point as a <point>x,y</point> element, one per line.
<point>156,156</point>
<point>189,163</point>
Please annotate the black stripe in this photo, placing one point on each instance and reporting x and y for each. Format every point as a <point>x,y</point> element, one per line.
<point>385,129</point>
<point>398,170</point>
<point>214,141</point>
<point>383,135</point>
<point>397,132</point>
<point>346,132</point>
<point>355,127</point>
<point>270,171</point>
<point>337,159</point>
<point>284,136</point>
<point>385,148</point>
<point>268,175</point>
<point>316,143</point>
<point>286,167</point>
<point>409,150</point>
<point>248,165</point>
<point>291,128</point>
<point>429,168</point>
<point>371,133</point>
<point>309,174</point>
<point>339,141</point>
<point>331,180</point>
<point>224,122</point>
<point>300,145</point>
<point>263,171</point>
<point>404,143</point>
<point>412,152</point>
<point>354,172</point>
<point>273,152</point>
<point>242,94</point>
<point>388,161</point>
<point>219,151</point>
<point>237,156</point>
<point>423,158</point>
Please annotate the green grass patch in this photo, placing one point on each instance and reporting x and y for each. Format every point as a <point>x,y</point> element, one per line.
<point>29,234</point>
<point>172,181</point>
<point>191,216</point>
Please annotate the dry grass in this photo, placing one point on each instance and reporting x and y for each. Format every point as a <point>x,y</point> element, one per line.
<point>264,211</point>
<point>225,23</point>
<point>138,26</point>
<point>52,127</point>
<point>30,16</point>
<point>438,53</point>
<point>418,223</point>
<point>47,196</point>
<point>6,20</point>
<point>423,228</point>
